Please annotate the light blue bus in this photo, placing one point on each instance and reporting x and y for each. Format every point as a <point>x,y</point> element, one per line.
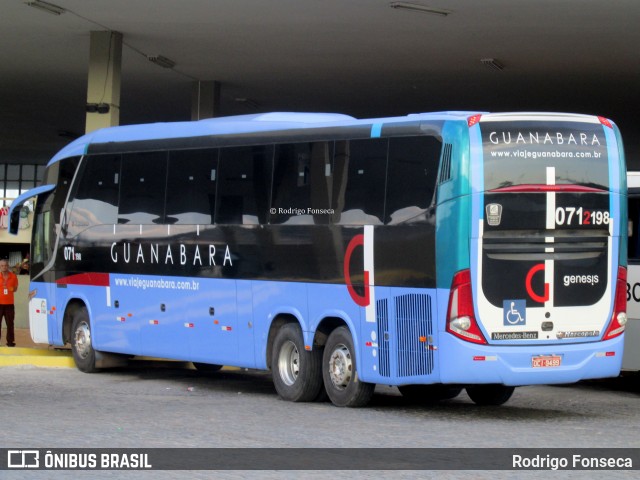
<point>433,252</point>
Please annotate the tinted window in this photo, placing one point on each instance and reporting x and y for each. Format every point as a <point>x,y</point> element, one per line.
<point>43,234</point>
<point>301,183</point>
<point>66,171</point>
<point>96,195</point>
<point>359,181</point>
<point>244,185</point>
<point>142,192</point>
<point>191,186</point>
<point>527,152</point>
<point>413,170</point>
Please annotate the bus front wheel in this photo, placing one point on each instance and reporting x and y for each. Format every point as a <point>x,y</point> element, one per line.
<point>490,394</point>
<point>296,371</point>
<point>83,353</point>
<point>339,372</point>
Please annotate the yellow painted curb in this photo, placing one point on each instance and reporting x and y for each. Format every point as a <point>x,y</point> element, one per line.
<point>15,351</point>
<point>40,357</point>
<point>37,361</point>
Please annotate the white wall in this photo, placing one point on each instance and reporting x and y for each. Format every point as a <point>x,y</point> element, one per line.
<point>21,302</point>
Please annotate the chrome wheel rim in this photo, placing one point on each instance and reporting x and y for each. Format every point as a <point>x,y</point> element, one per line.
<point>340,367</point>
<point>289,363</point>
<point>82,338</point>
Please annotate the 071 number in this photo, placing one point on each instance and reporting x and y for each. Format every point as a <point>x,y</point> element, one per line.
<point>579,216</point>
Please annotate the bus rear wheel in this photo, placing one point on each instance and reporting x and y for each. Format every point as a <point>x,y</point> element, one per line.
<point>490,394</point>
<point>429,393</point>
<point>339,372</point>
<point>296,371</point>
<point>83,353</point>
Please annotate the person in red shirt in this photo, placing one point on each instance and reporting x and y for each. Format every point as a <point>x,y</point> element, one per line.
<point>8,285</point>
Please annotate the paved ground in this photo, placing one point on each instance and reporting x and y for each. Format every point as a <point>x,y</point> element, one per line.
<point>157,405</point>
<point>23,338</point>
<point>168,405</point>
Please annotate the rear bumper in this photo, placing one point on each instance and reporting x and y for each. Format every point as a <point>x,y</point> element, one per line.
<point>467,363</point>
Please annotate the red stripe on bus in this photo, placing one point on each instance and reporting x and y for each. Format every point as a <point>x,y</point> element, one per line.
<point>93,279</point>
<point>547,188</point>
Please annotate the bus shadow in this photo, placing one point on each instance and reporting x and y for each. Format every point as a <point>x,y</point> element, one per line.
<point>627,382</point>
<point>524,406</point>
<point>229,379</point>
<point>462,407</point>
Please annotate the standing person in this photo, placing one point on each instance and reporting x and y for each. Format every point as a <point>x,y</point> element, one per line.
<point>8,285</point>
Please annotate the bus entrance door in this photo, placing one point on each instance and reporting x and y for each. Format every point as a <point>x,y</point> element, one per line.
<point>42,313</point>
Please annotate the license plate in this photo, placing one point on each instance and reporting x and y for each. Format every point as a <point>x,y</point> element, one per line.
<point>546,361</point>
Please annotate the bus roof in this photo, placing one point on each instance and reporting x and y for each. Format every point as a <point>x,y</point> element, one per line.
<point>266,122</point>
<point>233,125</point>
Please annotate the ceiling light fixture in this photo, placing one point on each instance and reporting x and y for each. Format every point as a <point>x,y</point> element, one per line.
<point>164,62</point>
<point>45,6</point>
<point>492,63</point>
<point>419,8</point>
<point>97,108</point>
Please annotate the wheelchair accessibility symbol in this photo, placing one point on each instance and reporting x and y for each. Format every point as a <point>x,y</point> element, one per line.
<point>514,312</point>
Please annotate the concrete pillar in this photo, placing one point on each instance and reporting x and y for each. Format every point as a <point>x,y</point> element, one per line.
<point>103,89</point>
<point>205,100</point>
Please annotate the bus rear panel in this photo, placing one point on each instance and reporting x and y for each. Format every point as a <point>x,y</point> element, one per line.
<point>546,269</point>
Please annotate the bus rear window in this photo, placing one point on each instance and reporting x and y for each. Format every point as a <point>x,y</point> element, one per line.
<point>519,153</point>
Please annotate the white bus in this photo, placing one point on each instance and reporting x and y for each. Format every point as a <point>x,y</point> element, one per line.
<point>631,356</point>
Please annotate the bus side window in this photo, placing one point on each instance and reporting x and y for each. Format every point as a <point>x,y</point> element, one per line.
<point>142,192</point>
<point>94,199</point>
<point>413,169</point>
<point>245,184</point>
<point>301,183</point>
<point>191,187</point>
<point>43,236</point>
<point>67,170</point>
<point>359,177</point>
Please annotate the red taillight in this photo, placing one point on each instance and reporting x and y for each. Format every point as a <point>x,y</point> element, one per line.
<point>461,320</point>
<point>605,121</point>
<point>529,187</point>
<point>471,121</point>
<point>619,317</point>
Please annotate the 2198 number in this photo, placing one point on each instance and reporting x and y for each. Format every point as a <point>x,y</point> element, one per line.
<point>579,216</point>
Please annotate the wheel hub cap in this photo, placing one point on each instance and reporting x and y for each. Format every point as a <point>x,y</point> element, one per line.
<point>340,367</point>
<point>83,340</point>
<point>289,363</point>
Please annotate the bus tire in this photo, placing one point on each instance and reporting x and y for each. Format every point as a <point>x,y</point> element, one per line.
<point>429,393</point>
<point>206,367</point>
<point>81,346</point>
<point>296,372</point>
<point>490,394</point>
<point>339,372</point>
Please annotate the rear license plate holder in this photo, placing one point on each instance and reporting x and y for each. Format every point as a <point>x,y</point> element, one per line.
<point>546,361</point>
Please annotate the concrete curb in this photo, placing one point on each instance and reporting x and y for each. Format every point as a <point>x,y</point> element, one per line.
<point>41,357</point>
<point>37,357</point>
